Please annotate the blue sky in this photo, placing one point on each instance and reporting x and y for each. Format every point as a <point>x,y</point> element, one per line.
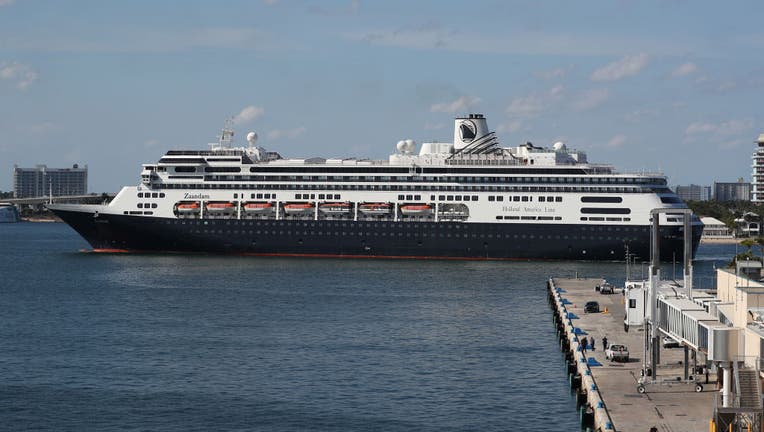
<point>666,85</point>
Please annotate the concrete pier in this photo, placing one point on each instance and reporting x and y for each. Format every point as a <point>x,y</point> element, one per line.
<point>607,391</point>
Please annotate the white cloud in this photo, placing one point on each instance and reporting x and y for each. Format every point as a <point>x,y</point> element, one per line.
<point>684,70</point>
<point>591,99</point>
<point>536,103</point>
<point>519,41</point>
<point>552,74</point>
<point>22,75</point>
<point>286,133</point>
<point>619,69</point>
<point>730,127</point>
<point>638,115</point>
<point>460,104</point>
<point>120,39</point>
<point>248,114</point>
<point>617,141</point>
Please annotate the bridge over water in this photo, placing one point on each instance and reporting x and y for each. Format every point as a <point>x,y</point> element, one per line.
<point>82,199</point>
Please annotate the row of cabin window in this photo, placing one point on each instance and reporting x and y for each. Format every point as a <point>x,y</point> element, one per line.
<point>422,235</point>
<point>150,194</point>
<point>409,234</point>
<point>452,197</point>
<point>525,198</point>
<point>605,219</point>
<point>147,205</point>
<point>313,196</point>
<point>412,197</point>
<point>434,179</point>
<point>136,212</point>
<point>381,224</point>
<point>257,196</point>
<point>418,188</point>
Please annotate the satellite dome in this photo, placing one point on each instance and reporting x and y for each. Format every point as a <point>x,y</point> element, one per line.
<point>252,138</point>
<point>401,146</point>
<point>410,145</point>
<point>559,146</point>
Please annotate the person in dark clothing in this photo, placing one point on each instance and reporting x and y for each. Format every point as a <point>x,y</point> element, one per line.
<point>583,342</point>
<point>604,343</point>
<point>591,343</point>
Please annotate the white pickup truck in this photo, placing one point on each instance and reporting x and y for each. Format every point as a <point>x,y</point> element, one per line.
<point>616,352</point>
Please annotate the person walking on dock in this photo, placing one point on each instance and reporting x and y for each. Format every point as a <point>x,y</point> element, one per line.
<point>583,344</point>
<point>592,343</point>
<point>604,343</point>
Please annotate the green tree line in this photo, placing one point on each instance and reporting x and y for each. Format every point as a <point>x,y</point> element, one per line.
<point>726,211</point>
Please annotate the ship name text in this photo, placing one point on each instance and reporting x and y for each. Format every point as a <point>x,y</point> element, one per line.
<point>195,196</point>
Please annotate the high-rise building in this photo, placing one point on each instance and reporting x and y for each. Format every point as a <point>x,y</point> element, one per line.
<point>757,178</point>
<point>694,192</point>
<point>738,191</point>
<point>43,181</point>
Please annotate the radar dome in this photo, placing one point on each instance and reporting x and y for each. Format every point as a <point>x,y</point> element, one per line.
<point>410,145</point>
<point>252,138</point>
<point>559,146</point>
<point>401,146</point>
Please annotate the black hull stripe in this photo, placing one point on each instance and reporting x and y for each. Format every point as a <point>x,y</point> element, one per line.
<point>406,240</point>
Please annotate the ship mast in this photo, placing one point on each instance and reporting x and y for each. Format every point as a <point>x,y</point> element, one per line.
<point>225,139</point>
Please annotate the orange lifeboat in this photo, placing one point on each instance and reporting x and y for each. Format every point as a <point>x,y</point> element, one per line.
<point>416,209</point>
<point>258,207</point>
<point>298,208</point>
<point>334,207</point>
<point>220,207</point>
<point>375,208</point>
<point>188,207</point>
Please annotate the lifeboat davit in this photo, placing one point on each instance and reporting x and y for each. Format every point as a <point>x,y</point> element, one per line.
<point>334,207</point>
<point>298,208</point>
<point>187,207</point>
<point>416,209</point>
<point>258,207</point>
<point>219,207</point>
<point>375,208</point>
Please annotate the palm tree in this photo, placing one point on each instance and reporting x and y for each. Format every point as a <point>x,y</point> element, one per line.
<point>748,243</point>
<point>747,255</point>
<point>760,245</point>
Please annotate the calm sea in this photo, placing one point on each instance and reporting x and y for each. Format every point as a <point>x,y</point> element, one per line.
<point>182,342</point>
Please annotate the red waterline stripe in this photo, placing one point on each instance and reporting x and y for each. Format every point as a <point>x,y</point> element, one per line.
<point>418,257</point>
<point>298,255</point>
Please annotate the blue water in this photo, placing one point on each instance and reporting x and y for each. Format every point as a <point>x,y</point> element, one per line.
<point>180,342</point>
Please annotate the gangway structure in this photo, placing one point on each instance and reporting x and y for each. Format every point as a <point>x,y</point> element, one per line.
<point>671,309</point>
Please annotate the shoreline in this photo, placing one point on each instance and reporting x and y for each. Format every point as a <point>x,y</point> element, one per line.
<point>730,240</point>
<point>41,220</point>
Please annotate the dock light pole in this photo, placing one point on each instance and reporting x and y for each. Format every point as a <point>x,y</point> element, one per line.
<point>655,278</point>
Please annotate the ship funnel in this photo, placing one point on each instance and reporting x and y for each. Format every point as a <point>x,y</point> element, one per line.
<point>468,129</point>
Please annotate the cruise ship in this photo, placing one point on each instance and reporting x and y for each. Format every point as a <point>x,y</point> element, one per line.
<point>466,199</point>
<point>8,213</point>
